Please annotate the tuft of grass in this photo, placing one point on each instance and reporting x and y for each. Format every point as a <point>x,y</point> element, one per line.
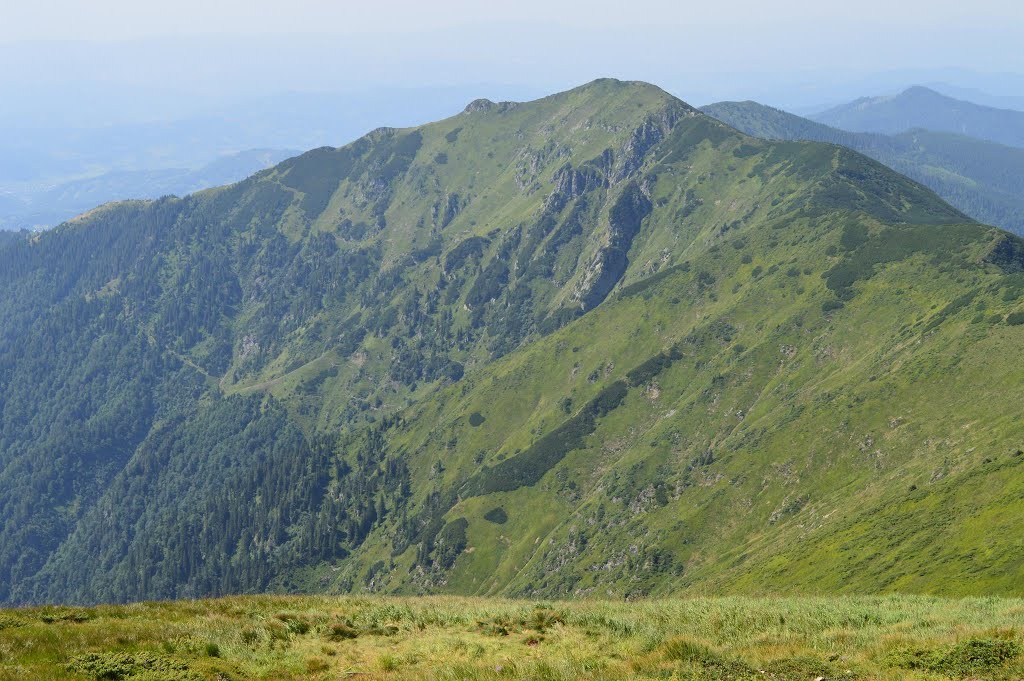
<point>293,623</point>
<point>542,618</point>
<point>342,631</point>
<point>315,665</point>
<point>683,649</point>
<point>388,663</point>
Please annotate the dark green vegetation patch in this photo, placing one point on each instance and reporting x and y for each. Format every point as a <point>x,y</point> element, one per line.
<point>496,515</point>
<point>965,659</point>
<point>116,666</point>
<point>528,467</point>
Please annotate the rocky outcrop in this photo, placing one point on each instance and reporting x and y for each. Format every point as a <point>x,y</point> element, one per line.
<point>653,130</point>
<point>571,183</point>
<point>609,265</point>
<point>486,105</point>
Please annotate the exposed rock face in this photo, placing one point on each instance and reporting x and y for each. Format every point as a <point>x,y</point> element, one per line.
<point>447,210</point>
<point>652,131</point>
<point>479,105</point>
<point>572,183</point>
<point>608,266</point>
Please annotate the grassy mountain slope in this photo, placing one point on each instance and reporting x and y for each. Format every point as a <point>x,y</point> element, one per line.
<point>920,107</point>
<point>983,179</point>
<point>764,454</point>
<point>599,343</point>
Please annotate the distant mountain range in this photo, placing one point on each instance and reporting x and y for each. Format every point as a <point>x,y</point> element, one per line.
<point>50,206</point>
<point>979,96</point>
<point>598,344</point>
<point>50,151</point>
<point>984,179</point>
<point>921,107</point>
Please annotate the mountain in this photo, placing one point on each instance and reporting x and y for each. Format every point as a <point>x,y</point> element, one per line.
<point>598,343</point>
<point>52,205</point>
<point>921,107</point>
<point>980,96</point>
<point>983,179</point>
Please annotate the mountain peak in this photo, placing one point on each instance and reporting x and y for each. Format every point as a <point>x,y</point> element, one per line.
<point>921,107</point>
<point>922,91</point>
<point>614,86</point>
<point>642,94</point>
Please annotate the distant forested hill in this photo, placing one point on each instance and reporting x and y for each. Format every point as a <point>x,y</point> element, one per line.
<point>921,107</point>
<point>10,237</point>
<point>983,179</point>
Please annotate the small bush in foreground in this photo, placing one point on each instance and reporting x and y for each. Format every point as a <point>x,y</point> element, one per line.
<point>126,665</point>
<point>973,656</point>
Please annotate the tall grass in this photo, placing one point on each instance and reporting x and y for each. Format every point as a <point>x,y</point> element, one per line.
<point>276,637</point>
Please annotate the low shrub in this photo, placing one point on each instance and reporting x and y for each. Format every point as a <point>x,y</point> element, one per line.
<point>496,515</point>
<point>315,665</point>
<point>117,666</point>
<point>541,619</point>
<point>967,658</point>
<point>294,623</point>
<point>341,631</point>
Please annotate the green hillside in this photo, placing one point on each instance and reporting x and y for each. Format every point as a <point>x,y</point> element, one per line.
<point>921,107</point>
<point>596,344</point>
<point>983,179</point>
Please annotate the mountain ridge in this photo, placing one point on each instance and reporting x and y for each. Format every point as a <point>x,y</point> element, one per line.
<point>562,347</point>
<point>979,177</point>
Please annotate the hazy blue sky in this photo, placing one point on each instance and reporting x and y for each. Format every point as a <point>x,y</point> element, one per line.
<point>128,59</point>
<point>120,19</point>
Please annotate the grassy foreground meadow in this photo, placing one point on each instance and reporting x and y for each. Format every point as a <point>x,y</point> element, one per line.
<point>284,637</point>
